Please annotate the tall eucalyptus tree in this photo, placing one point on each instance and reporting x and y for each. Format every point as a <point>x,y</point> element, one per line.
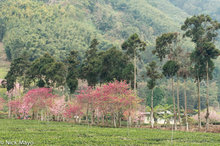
<point>202,30</point>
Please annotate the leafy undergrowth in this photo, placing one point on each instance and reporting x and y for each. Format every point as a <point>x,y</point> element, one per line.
<point>60,133</point>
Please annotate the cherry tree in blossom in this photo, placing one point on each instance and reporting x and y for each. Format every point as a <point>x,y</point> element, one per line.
<point>15,107</point>
<point>73,110</point>
<point>110,99</point>
<point>57,107</point>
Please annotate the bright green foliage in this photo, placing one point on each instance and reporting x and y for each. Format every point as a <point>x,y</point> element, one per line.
<point>170,69</point>
<point>166,116</point>
<point>58,133</point>
<point>73,71</point>
<point>115,65</point>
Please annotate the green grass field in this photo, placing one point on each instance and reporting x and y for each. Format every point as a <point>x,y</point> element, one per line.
<point>3,72</point>
<point>60,133</point>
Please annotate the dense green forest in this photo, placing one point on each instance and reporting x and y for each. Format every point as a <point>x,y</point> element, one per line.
<point>35,27</point>
<point>32,24</point>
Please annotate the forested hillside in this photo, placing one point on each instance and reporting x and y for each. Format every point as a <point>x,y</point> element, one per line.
<point>29,25</point>
<point>192,7</point>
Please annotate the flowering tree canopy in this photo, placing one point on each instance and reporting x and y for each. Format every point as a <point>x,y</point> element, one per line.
<point>37,99</point>
<point>15,106</point>
<point>113,99</point>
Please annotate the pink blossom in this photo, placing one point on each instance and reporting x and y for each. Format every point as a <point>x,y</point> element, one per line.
<point>73,110</point>
<point>57,106</point>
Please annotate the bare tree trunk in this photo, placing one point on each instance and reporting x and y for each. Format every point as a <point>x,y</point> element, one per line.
<point>135,71</point>
<point>33,116</point>
<point>118,119</point>
<point>130,84</point>
<point>79,120</point>
<point>9,107</point>
<point>87,114</point>
<point>98,120</point>
<point>47,118</point>
<point>42,115</point>
<point>187,126</point>
<point>174,106</point>
<point>207,98</point>
<point>103,120</point>
<point>198,92</point>
<point>106,120</point>
<point>130,121</point>
<point>178,101</point>
<point>93,117</point>
<point>129,116</point>
<point>37,115</point>
<point>114,120</point>
<point>152,109</point>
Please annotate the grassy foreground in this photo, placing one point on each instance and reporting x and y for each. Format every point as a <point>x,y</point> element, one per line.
<point>59,133</point>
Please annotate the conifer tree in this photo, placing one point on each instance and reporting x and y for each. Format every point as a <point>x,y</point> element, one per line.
<point>73,71</point>
<point>92,64</point>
